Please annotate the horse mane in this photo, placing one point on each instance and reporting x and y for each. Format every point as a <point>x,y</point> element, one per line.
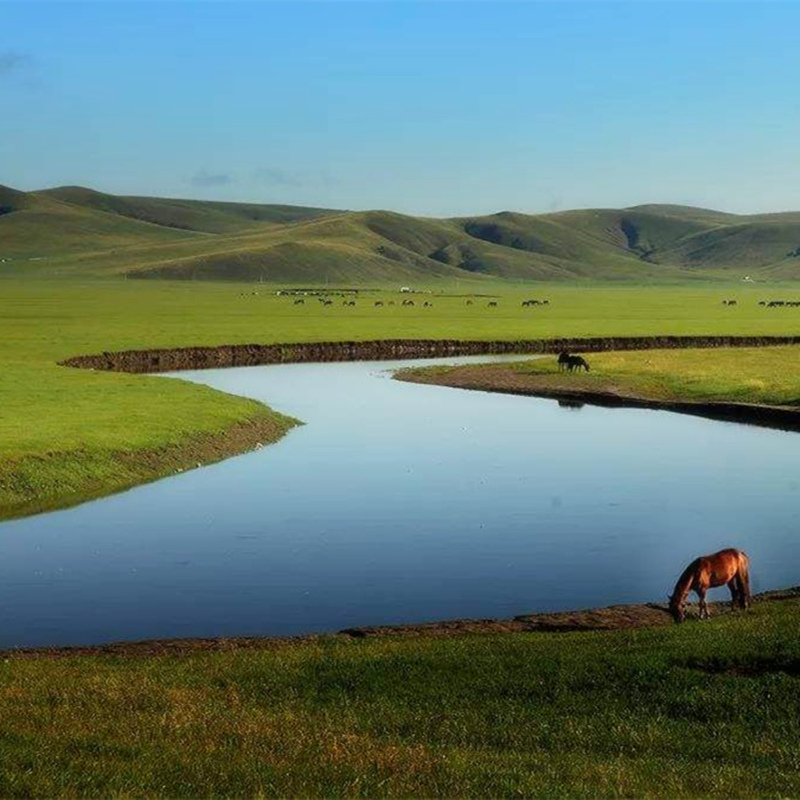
<point>684,584</point>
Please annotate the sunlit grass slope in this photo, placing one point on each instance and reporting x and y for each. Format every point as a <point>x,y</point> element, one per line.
<point>706,709</point>
<point>36,230</point>
<point>193,215</point>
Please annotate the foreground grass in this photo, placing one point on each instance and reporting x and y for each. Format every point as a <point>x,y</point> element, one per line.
<point>760,375</point>
<point>704,709</point>
<point>67,434</point>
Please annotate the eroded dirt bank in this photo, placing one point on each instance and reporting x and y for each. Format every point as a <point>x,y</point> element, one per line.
<point>499,378</point>
<point>619,617</point>
<point>245,355</point>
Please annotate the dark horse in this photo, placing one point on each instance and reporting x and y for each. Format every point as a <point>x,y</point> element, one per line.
<point>563,360</point>
<point>576,362</point>
<point>731,567</point>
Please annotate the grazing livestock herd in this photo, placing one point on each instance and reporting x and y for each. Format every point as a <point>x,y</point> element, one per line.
<point>324,298</point>
<point>768,303</point>
<point>350,296</point>
<point>299,296</point>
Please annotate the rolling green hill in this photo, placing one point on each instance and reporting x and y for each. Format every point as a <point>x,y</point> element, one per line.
<point>77,231</point>
<point>191,215</point>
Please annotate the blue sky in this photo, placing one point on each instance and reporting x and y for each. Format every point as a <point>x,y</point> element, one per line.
<point>437,108</point>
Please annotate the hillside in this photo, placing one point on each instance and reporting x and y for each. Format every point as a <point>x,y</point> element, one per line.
<point>78,231</point>
<point>192,215</point>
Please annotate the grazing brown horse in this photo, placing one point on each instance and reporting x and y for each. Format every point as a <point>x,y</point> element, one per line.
<point>731,567</point>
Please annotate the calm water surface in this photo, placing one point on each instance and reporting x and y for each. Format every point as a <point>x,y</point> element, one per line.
<point>398,502</point>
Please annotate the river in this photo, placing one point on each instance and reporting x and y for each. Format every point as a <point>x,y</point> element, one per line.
<point>399,502</point>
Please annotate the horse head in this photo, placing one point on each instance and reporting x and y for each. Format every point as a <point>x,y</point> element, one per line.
<point>677,609</point>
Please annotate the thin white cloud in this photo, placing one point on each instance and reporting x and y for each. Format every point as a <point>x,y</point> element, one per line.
<point>203,178</point>
<point>274,176</point>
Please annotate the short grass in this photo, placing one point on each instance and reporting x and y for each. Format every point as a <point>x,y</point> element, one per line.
<point>59,427</point>
<point>707,709</point>
<point>766,375</point>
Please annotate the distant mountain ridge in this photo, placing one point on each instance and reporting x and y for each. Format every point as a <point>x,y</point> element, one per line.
<point>80,231</point>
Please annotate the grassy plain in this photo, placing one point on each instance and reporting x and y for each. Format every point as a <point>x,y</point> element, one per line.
<point>769,375</point>
<point>761,375</point>
<point>66,434</point>
<point>707,709</point>
<point>702,710</point>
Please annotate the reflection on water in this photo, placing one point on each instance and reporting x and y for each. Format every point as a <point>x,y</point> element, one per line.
<point>400,502</point>
<point>574,405</point>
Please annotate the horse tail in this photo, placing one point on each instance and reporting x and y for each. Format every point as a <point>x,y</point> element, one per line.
<point>744,579</point>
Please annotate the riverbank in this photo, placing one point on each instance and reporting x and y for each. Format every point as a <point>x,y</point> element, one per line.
<point>71,434</point>
<point>36,483</point>
<point>698,710</point>
<point>752,386</point>
<point>509,379</point>
<point>631,616</point>
<point>251,355</point>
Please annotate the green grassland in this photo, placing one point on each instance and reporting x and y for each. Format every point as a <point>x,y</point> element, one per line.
<point>67,434</point>
<point>758,375</point>
<point>768,375</point>
<point>75,264</point>
<point>706,709</point>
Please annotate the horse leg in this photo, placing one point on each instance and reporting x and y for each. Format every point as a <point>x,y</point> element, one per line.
<point>740,592</point>
<point>736,594</point>
<point>701,593</point>
<point>744,592</point>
